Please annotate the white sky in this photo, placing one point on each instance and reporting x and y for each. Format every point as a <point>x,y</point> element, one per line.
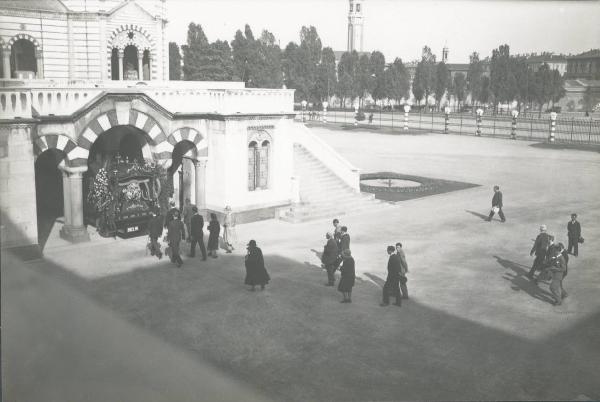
<point>400,28</point>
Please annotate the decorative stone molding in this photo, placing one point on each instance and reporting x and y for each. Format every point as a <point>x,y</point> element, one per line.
<point>192,135</point>
<point>130,34</point>
<point>55,141</point>
<point>259,136</point>
<point>36,45</point>
<point>159,146</point>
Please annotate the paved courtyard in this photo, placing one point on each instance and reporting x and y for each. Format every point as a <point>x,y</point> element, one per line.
<point>104,313</point>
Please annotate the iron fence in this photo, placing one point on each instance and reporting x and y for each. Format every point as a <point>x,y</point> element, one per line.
<point>567,129</point>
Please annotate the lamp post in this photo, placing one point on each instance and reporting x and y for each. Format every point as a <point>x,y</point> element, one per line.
<point>325,104</point>
<point>446,119</point>
<point>303,103</point>
<point>479,114</point>
<point>552,125</point>
<point>513,131</point>
<point>406,110</point>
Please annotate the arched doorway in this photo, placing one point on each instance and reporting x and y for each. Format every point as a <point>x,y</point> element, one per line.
<point>119,145</point>
<point>183,171</point>
<point>49,192</point>
<point>22,59</point>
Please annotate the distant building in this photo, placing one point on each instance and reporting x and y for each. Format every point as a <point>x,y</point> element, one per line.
<point>584,65</point>
<point>575,91</point>
<point>355,26</point>
<point>554,61</point>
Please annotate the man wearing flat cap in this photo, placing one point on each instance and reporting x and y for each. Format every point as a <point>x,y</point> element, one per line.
<point>540,250</point>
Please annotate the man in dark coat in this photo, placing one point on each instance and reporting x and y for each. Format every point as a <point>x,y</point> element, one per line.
<point>392,282</point>
<point>403,270</point>
<point>329,258</point>
<point>256,273</point>
<point>344,240</point>
<point>540,249</point>
<point>170,213</point>
<point>197,234</point>
<point>176,232</point>
<point>155,230</point>
<point>573,233</point>
<point>558,269</point>
<point>497,203</point>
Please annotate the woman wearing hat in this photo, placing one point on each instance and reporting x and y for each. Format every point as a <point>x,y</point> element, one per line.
<point>256,273</point>
<point>348,276</point>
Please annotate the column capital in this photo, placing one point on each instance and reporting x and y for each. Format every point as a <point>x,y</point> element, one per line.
<point>121,53</point>
<point>73,171</point>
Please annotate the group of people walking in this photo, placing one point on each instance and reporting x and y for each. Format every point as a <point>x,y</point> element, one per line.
<point>192,228</point>
<point>551,259</point>
<point>188,223</point>
<point>337,254</point>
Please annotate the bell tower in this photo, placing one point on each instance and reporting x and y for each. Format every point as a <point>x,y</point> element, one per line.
<point>355,25</point>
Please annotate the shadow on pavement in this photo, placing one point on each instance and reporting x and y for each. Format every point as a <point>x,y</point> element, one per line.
<point>519,280</point>
<point>477,214</point>
<point>155,334</point>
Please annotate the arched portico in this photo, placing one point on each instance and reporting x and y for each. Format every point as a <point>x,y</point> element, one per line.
<point>188,160</point>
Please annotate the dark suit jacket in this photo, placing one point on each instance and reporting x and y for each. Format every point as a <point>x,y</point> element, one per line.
<point>497,199</point>
<point>169,216</point>
<point>330,252</point>
<point>176,231</point>
<point>344,242</point>
<point>574,229</point>
<point>197,224</point>
<point>393,268</point>
<point>540,247</point>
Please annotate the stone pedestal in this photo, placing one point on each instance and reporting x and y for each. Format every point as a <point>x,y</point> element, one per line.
<point>74,231</point>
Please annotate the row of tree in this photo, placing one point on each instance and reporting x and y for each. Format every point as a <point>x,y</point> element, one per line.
<point>307,67</point>
<point>311,70</point>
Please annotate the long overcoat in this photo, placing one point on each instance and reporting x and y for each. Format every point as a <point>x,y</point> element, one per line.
<point>348,275</point>
<point>330,252</point>
<point>256,273</point>
<point>213,238</point>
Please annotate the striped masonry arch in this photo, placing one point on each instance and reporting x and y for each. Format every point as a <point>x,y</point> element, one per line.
<point>157,148</point>
<point>192,135</point>
<point>62,143</point>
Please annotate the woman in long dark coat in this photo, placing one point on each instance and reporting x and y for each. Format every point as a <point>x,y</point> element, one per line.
<point>348,276</point>
<point>213,238</point>
<point>256,273</point>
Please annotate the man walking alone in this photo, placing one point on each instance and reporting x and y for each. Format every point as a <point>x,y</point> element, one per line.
<point>497,205</point>
<point>329,259</point>
<point>197,234</point>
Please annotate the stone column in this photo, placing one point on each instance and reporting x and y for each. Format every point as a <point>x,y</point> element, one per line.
<point>66,198</point>
<point>140,56</point>
<point>200,166</point>
<point>6,61</point>
<point>39,63</point>
<point>121,55</point>
<point>75,231</point>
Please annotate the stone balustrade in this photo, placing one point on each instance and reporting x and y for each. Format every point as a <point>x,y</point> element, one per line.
<point>36,100</point>
<point>15,103</point>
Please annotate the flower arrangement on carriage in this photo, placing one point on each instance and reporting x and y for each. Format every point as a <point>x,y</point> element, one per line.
<point>122,196</point>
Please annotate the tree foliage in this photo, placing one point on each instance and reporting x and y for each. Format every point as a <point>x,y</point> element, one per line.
<point>397,81</point>
<point>459,87</point>
<point>204,61</point>
<point>442,78</point>
<point>174,62</point>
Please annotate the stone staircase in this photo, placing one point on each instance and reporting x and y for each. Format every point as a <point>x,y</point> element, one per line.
<point>322,193</point>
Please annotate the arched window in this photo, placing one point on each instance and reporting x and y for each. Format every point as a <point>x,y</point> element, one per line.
<point>252,165</point>
<point>22,59</point>
<point>259,153</point>
<point>263,165</point>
